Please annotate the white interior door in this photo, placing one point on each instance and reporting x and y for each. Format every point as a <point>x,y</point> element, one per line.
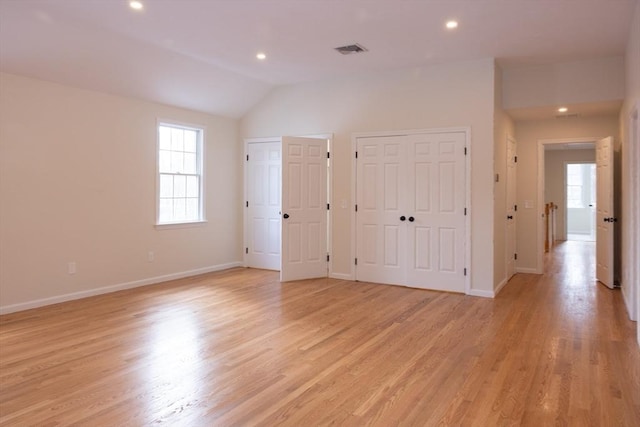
<point>381,217</point>
<point>510,247</point>
<point>410,222</point>
<point>263,205</point>
<point>304,208</point>
<point>435,207</point>
<point>604,212</point>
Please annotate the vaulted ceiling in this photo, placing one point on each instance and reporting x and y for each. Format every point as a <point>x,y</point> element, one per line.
<point>201,54</point>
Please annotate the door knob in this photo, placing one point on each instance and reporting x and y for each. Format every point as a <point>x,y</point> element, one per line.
<point>411,219</point>
<point>402,218</point>
<point>510,217</point>
<point>285,216</point>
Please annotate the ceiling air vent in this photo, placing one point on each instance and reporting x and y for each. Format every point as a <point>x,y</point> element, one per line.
<point>568,116</point>
<point>351,49</point>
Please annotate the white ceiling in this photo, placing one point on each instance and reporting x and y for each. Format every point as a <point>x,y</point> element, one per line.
<point>200,54</point>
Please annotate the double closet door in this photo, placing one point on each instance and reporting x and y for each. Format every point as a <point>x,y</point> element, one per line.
<point>410,220</point>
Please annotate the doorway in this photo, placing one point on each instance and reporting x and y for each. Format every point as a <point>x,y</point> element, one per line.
<point>286,205</point>
<point>580,201</point>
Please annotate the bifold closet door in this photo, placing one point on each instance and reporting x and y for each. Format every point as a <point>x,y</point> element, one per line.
<point>410,223</point>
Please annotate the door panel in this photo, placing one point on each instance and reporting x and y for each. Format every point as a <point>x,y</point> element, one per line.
<point>381,235</point>
<point>263,212</point>
<point>442,191</point>
<point>604,212</point>
<point>304,190</point>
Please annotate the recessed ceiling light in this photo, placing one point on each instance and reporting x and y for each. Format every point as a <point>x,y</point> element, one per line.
<point>451,24</point>
<point>261,56</point>
<point>563,110</point>
<point>137,5</point>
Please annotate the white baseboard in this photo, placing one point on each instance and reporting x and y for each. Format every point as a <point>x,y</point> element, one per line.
<point>501,285</point>
<point>481,293</point>
<point>113,288</point>
<point>527,270</point>
<point>341,276</point>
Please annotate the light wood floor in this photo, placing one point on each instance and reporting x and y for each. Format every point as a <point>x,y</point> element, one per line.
<point>240,348</point>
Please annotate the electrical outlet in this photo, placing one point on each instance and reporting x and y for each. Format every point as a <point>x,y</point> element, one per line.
<point>71,267</point>
<point>151,256</point>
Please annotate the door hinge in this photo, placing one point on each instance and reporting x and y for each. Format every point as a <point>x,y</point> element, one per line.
<point>328,155</point>
<point>515,208</point>
<point>465,211</point>
<point>247,157</point>
<point>356,261</point>
<point>465,271</point>
<point>328,206</point>
<point>247,203</point>
<point>515,256</point>
<point>465,151</point>
<point>515,159</point>
<point>246,250</point>
<point>327,257</point>
<point>356,154</point>
<point>356,208</point>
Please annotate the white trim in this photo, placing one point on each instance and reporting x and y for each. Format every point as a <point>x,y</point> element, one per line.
<point>501,285</point>
<point>539,268</point>
<point>114,288</point>
<point>526,270</point>
<point>340,276</point>
<point>467,132</point>
<point>481,293</point>
<point>174,225</point>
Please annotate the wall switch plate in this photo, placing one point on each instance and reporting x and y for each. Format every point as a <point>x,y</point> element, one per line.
<point>71,267</point>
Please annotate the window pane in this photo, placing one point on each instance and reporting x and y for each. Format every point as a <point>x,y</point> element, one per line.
<point>177,139</point>
<point>177,162</point>
<point>166,210</point>
<point>179,186</point>
<point>179,174</point>
<point>166,186</point>
<point>179,209</point>
<point>164,135</point>
<point>193,189</point>
<point>192,209</point>
<point>165,161</point>
<point>190,141</point>
<point>190,163</point>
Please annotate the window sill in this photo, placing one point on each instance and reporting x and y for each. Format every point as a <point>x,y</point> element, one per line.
<point>174,225</point>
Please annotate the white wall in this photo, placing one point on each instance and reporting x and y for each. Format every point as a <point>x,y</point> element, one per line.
<point>565,83</point>
<point>554,165</point>
<point>77,183</point>
<point>503,128</point>
<point>448,95</point>
<point>629,166</point>
<point>528,133</point>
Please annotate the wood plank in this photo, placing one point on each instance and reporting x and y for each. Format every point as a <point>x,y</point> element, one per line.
<point>240,348</point>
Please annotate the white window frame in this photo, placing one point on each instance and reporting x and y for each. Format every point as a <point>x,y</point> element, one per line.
<point>200,155</point>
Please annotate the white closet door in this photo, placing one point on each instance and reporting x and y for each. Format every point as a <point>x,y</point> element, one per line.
<point>381,233</point>
<point>436,203</point>
<point>410,223</point>
<point>304,208</point>
<point>263,210</point>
